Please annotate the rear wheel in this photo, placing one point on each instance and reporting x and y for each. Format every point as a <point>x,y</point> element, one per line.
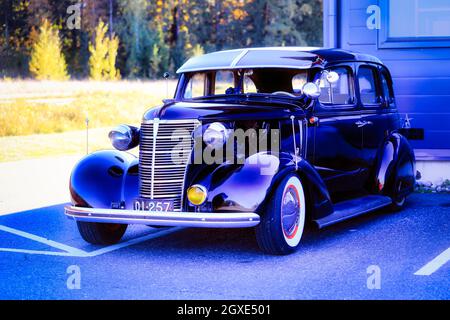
<point>101,233</point>
<point>281,227</point>
<point>398,202</point>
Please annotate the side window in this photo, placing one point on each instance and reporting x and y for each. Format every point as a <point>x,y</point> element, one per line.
<point>196,86</point>
<point>339,92</point>
<point>367,85</point>
<point>224,80</point>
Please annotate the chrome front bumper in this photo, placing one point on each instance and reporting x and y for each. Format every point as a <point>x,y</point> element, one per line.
<point>166,219</point>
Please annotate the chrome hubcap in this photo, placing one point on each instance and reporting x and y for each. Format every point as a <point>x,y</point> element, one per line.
<point>290,212</point>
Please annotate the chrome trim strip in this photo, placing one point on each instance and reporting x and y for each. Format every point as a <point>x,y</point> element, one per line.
<point>238,58</point>
<point>150,121</point>
<point>171,180</point>
<point>300,125</point>
<point>167,152</point>
<point>168,219</point>
<point>295,142</point>
<point>306,139</point>
<point>155,134</point>
<point>165,166</point>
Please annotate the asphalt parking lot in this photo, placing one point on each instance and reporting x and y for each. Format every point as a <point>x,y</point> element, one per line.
<point>42,256</point>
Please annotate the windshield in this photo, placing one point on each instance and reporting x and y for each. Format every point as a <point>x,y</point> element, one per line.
<point>287,82</point>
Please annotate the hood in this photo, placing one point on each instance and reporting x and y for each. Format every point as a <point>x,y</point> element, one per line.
<point>220,111</point>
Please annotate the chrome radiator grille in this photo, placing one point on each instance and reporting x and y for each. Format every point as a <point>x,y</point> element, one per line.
<point>165,148</point>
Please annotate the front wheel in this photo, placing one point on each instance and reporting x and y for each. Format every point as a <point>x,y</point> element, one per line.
<point>101,233</point>
<point>281,227</point>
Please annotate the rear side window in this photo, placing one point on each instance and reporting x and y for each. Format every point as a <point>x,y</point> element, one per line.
<point>386,83</point>
<point>339,92</point>
<point>367,85</point>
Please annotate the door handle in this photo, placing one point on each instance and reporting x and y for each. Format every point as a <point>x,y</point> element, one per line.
<point>362,123</point>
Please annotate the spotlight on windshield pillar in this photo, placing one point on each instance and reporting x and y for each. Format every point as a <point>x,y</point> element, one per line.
<point>166,76</point>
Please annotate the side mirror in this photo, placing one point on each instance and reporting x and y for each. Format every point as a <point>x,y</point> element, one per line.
<point>311,90</point>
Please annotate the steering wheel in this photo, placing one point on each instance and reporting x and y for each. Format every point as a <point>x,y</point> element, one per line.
<point>285,93</point>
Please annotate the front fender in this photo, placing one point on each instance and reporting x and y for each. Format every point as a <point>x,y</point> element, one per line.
<point>248,187</point>
<point>105,179</point>
<point>395,166</point>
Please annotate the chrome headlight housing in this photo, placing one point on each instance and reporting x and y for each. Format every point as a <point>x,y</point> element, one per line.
<point>216,135</point>
<point>124,137</point>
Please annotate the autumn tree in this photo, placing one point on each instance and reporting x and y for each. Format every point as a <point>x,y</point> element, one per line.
<point>155,35</point>
<point>136,36</point>
<point>47,61</point>
<point>160,55</point>
<point>102,62</point>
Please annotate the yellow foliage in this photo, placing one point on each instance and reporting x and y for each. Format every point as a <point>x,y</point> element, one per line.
<point>47,62</point>
<point>197,50</point>
<point>102,62</point>
<point>239,14</point>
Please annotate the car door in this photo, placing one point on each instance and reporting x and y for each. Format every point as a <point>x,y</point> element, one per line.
<point>378,116</point>
<point>337,143</point>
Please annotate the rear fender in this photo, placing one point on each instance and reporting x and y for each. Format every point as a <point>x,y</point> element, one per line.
<point>395,167</point>
<point>105,179</point>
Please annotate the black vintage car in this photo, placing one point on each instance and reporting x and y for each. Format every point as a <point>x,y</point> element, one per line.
<point>265,138</point>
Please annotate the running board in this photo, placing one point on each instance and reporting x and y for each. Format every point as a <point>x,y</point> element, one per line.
<point>352,208</point>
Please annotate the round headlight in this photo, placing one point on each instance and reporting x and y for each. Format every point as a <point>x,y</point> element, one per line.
<point>215,135</point>
<point>196,194</point>
<point>311,90</point>
<point>123,137</point>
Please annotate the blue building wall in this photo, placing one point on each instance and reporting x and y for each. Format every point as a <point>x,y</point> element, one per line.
<point>421,72</point>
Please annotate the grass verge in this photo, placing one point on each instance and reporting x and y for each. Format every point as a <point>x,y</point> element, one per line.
<point>40,119</point>
<point>55,144</point>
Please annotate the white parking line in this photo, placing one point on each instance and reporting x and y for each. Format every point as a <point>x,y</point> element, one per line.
<point>51,243</point>
<point>434,264</point>
<point>40,252</point>
<point>74,252</point>
<point>133,241</point>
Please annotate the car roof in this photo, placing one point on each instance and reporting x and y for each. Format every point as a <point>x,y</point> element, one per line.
<point>273,57</point>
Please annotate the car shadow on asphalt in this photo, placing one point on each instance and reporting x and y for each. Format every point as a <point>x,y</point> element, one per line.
<point>50,223</point>
<point>242,242</point>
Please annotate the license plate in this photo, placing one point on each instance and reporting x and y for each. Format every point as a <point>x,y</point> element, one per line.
<point>153,205</point>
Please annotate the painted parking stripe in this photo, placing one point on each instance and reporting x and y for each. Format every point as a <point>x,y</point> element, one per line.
<point>434,264</point>
<point>51,243</point>
<point>74,252</point>
<point>40,252</point>
<point>133,241</point>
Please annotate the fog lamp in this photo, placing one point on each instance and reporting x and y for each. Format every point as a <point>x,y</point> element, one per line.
<point>197,194</point>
